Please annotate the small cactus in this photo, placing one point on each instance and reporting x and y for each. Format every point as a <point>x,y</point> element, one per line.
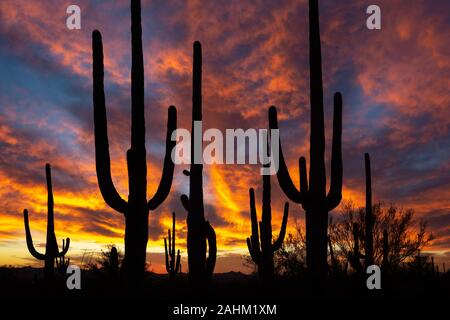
<point>114,262</point>
<point>62,263</point>
<point>260,243</point>
<point>51,248</point>
<point>172,261</point>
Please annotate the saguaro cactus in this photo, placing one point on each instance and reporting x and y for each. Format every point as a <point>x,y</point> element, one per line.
<point>136,209</point>
<point>200,232</point>
<point>369,218</point>
<point>314,199</point>
<point>51,247</point>
<point>113,262</point>
<point>260,243</point>
<point>172,260</point>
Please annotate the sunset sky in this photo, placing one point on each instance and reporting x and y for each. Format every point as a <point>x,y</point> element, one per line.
<point>395,85</point>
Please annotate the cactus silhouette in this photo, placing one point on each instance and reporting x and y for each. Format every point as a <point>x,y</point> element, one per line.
<point>200,233</point>
<point>172,260</point>
<point>114,262</point>
<point>260,243</point>
<point>136,209</point>
<point>356,256</point>
<point>51,247</point>
<point>62,263</point>
<point>369,218</point>
<point>313,197</point>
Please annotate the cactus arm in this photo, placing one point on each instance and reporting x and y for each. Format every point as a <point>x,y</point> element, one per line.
<point>172,256</point>
<point>102,158</point>
<point>252,252</point>
<point>167,176</point>
<point>277,245</point>
<point>167,256</point>
<point>253,215</point>
<point>185,202</point>
<point>335,193</point>
<point>212,249</point>
<point>173,236</point>
<point>303,175</point>
<point>65,248</point>
<point>253,241</point>
<point>284,178</point>
<point>30,245</point>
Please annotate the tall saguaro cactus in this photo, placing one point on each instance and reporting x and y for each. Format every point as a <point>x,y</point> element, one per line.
<point>313,197</point>
<point>260,243</point>
<point>200,233</point>
<point>51,248</point>
<point>136,209</point>
<point>172,260</point>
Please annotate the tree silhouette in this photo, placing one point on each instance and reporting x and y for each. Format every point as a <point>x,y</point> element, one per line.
<point>397,235</point>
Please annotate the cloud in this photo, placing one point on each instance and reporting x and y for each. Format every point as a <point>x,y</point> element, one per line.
<point>255,54</point>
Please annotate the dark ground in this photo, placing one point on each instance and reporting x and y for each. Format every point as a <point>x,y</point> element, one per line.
<point>161,294</point>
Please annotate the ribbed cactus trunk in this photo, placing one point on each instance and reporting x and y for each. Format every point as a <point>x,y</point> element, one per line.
<point>51,247</point>
<point>313,197</point>
<point>200,235</point>
<point>317,216</point>
<point>369,218</point>
<point>136,219</point>
<point>260,244</point>
<point>136,209</point>
<point>266,264</point>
